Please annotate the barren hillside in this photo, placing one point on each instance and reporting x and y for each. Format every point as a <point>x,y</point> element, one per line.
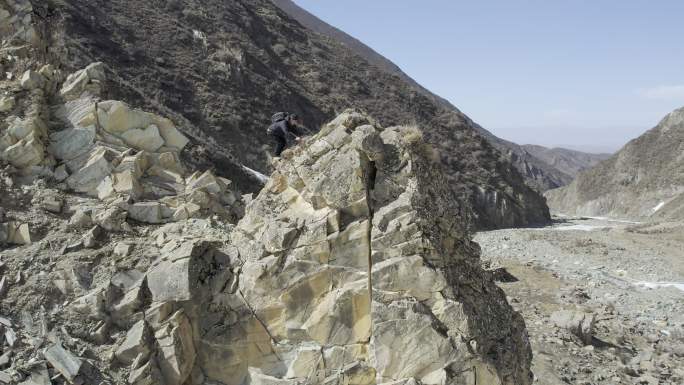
<point>536,172</point>
<point>219,69</point>
<point>645,179</point>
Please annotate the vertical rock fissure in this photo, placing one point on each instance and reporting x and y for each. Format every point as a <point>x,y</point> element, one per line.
<point>371,173</point>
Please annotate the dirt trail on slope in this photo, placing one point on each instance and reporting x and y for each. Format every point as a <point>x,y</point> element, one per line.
<point>627,277</point>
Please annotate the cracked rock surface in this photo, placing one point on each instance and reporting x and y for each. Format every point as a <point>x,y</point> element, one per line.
<point>355,268</point>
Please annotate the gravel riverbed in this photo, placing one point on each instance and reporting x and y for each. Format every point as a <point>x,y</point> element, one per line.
<point>621,282</point>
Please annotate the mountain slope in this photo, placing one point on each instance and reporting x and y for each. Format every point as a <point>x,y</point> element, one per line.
<point>645,179</point>
<point>219,69</point>
<point>536,172</point>
<point>568,161</point>
<point>315,24</point>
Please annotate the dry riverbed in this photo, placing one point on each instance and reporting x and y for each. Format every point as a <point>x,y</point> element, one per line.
<point>603,300</point>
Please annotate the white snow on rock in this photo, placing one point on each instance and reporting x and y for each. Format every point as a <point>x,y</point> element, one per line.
<point>261,177</point>
<point>613,220</point>
<point>574,228</point>
<point>658,285</point>
<point>658,207</point>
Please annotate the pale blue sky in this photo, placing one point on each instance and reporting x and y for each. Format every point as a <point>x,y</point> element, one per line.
<point>569,72</point>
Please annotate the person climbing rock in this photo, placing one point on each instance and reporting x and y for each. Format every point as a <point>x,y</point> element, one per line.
<point>282,126</point>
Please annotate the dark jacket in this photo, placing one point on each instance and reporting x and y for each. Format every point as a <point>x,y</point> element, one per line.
<point>283,128</point>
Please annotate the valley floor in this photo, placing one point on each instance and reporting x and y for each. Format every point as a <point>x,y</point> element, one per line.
<point>627,277</point>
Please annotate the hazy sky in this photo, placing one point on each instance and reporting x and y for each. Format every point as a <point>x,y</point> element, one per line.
<point>580,72</point>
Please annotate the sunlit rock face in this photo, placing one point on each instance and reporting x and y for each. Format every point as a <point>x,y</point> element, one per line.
<point>354,268</point>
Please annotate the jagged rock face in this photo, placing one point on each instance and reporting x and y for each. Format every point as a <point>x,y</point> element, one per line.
<point>642,180</point>
<point>356,269</point>
<point>248,59</point>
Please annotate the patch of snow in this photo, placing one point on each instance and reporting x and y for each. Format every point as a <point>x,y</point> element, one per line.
<point>658,207</point>
<point>573,227</point>
<point>613,220</point>
<point>199,35</point>
<point>261,177</point>
<point>658,285</point>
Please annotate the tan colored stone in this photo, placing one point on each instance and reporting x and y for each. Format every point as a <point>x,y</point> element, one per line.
<point>96,169</point>
<point>6,103</point>
<point>18,233</point>
<point>87,79</point>
<point>350,247</point>
<point>186,211</point>
<point>176,350</point>
<point>25,153</point>
<point>147,139</point>
<point>342,317</point>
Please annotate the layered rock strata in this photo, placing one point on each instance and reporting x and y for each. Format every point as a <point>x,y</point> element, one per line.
<point>355,269</point>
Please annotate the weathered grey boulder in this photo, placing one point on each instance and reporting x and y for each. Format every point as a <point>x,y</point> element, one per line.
<point>138,342</point>
<point>71,143</point>
<point>147,212</point>
<point>31,80</point>
<point>579,323</point>
<point>63,361</point>
<point>80,219</point>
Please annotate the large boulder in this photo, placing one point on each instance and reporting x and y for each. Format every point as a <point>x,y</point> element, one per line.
<point>356,264</point>
<point>117,118</point>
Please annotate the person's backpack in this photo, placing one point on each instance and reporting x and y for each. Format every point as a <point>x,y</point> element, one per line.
<point>277,117</point>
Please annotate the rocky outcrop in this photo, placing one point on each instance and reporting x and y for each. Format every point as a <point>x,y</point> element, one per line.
<point>106,149</point>
<point>352,266</point>
<point>642,180</point>
<point>349,275</point>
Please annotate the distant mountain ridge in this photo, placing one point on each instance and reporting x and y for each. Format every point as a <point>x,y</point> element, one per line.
<point>645,179</point>
<point>570,162</point>
<point>537,173</point>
